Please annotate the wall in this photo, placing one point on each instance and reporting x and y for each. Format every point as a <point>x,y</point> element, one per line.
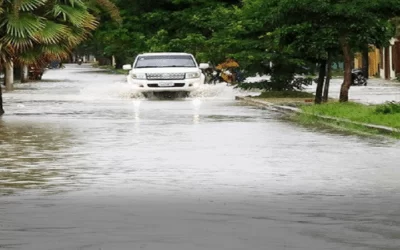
<point>390,65</point>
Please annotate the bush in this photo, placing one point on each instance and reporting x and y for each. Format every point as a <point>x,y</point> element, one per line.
<point>398,77</point>
<point>388,108</point>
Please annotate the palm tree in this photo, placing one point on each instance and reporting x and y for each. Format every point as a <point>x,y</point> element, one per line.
<point>36,31</point>
<point>17,26</point>
<point>81,18</point>
<point>29,30</point>
<point>67,24</point>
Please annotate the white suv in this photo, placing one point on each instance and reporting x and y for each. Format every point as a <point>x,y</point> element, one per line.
<point>165,72</point>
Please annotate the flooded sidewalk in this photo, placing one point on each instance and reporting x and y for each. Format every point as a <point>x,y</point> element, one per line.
<point>376,92</point>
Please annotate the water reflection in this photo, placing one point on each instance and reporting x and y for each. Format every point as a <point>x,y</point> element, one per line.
<point>136,112</point>
<point>196,103</point>
<point>196,119</point>
<point>28,152</point>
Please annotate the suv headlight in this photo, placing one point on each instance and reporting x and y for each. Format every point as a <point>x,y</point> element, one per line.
<point>138,76</point>
<point>192,75</point>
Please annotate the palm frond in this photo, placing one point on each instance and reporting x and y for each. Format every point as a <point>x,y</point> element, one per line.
<point>23,25</point>
<point>75,16</point>
<point>18,43</point>
<point>74,3</point>
<point>31,56</point>
<point>42,54</point>
<point>90,22</point>
<point>1,7</point>
<point>29,5</point>
<point>76,36</point>
<point>55,51</point>
<point>52,33</point>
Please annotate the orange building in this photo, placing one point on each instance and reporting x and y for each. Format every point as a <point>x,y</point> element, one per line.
<point>373,61</point>
<point>383,62</point>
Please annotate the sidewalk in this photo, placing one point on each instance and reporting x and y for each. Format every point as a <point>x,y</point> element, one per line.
<point>377,91</point>
<point>332,120</point>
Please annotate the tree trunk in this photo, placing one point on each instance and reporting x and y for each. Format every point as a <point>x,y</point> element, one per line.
<point>118,62</point>
<point>328,78</point>
<point>113,61</point>
<point>9,76</point>
<point>1,101</point>
<point>320,84</point>
<point>344,90</point>
<point>24,73</point>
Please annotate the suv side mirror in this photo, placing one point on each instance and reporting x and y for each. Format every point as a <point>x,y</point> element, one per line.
<point>204,66</point>
<point>127,67</point>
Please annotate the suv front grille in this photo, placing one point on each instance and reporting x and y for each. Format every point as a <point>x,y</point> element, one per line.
<point>165,76</point>
<point>155,85</point>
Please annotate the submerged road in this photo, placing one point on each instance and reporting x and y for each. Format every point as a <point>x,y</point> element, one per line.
<point>85,163</point>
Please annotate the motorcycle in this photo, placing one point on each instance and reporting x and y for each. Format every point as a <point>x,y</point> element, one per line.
<point>79,61</point>
<point>358,78</point>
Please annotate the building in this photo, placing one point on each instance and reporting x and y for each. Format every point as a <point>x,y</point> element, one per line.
<point>373,61</point>
<point>384,62</point>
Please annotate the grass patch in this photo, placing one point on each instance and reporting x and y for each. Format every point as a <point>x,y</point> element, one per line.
<point>384,114</point>
<point>388,108</point>
<point>342,128</point>
<point>387,114</point>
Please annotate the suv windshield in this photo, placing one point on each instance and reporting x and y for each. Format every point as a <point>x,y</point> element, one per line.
<point>164,61</point>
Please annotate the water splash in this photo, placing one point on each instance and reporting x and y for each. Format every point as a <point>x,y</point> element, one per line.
<point>123,90</point>
<point>219,91</point>
<point>116,90</point>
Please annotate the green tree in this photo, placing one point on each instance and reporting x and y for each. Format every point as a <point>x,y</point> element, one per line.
<point>349,25</point>
<point>168,25</point>
<point>254,41</point>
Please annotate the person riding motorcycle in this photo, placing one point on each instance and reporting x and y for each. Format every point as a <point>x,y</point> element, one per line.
<point>229,71</point>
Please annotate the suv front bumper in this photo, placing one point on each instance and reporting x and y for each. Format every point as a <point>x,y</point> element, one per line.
<point>165,85</point>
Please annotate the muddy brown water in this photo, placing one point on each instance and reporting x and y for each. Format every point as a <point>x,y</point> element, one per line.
<point>85,163</point>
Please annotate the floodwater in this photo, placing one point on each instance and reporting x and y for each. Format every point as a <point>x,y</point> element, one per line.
<point>85,163</point>
<point>376,92</point>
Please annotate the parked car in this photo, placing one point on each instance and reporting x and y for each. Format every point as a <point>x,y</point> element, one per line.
<point>35,72</point>
<point>165,72</point>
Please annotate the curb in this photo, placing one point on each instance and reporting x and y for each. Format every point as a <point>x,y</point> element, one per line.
<point>275,107</point>
<point>268,105</point>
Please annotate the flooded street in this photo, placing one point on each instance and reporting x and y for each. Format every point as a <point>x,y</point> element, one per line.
<point>85,163</point>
